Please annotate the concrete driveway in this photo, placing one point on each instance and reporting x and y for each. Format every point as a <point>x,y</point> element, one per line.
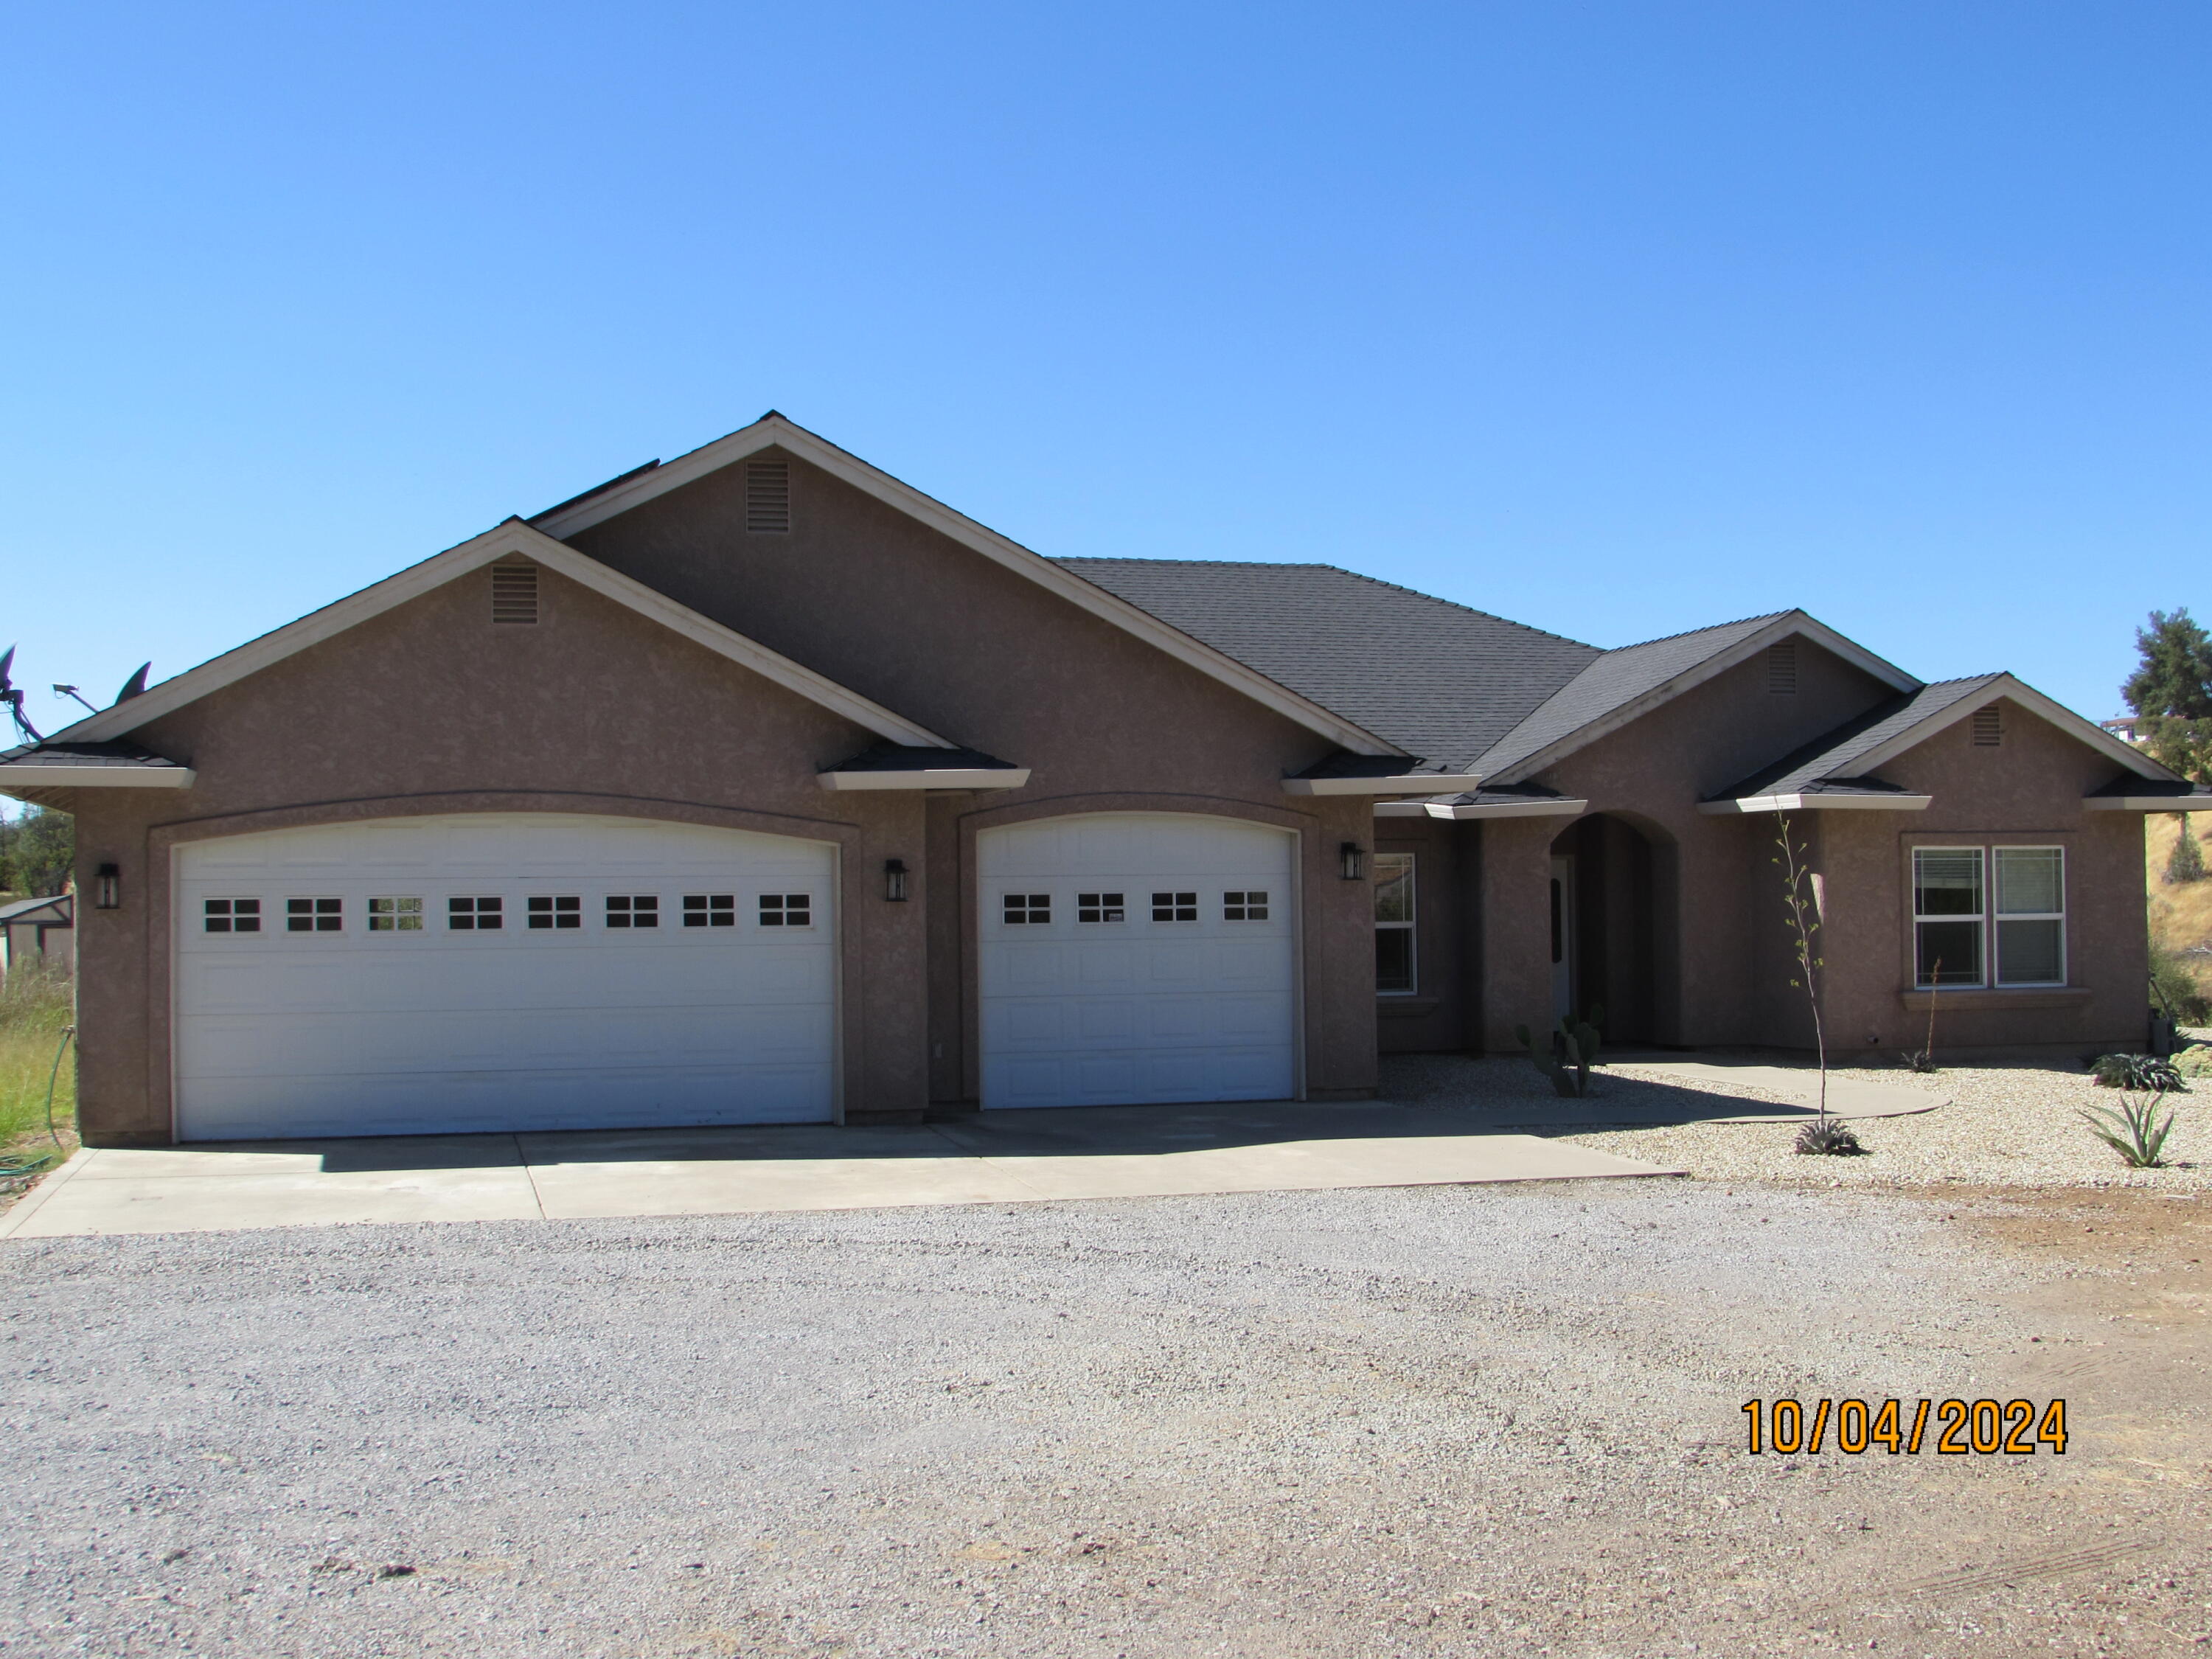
<point>996,1159</point>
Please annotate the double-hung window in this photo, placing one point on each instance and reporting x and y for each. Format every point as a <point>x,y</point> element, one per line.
<point>1394,956</point>
<point>1958,934</point>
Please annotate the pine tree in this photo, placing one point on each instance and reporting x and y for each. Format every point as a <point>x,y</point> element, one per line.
<point>2171,693</point>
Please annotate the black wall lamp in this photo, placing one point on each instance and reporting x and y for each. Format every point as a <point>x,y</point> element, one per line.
<point>895,880</point>
<point>107,888</point>
<point>1352,860</point>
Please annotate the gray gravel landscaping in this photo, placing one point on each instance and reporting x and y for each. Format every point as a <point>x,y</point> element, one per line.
<point>1410,1421</point>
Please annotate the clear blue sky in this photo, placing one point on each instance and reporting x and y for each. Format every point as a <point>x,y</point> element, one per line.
<point>1618,318</point>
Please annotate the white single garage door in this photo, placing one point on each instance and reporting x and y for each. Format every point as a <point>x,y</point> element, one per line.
<point>510,971</point>
<point>1136,957</point>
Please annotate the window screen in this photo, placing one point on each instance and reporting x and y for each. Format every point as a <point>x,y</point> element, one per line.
<point>1946,916</point>
<point>2031,920</point>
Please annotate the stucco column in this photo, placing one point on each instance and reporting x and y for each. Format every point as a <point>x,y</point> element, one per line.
<point>1514,930</point>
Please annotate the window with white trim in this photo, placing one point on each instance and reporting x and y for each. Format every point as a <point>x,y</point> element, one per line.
<point>1395,973</point>
<point>231,915</point>
<point>1027,909</point>
<point>710,909</point>
<point>554,910</point>
<point>314,915</point>
<point>471,915</point>
<point>391,914</point>
<point>633,910</point>
<point>787,910</point>
<point>1174,907</point>
<point>1250,905</point>
<point>1099,907</point>
<point>1958,934</point>
<point>2031,918</point>
<point>1947,915</point>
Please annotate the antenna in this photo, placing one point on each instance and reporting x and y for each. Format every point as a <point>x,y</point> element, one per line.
<point>12,694</point>
<point>71,691</point>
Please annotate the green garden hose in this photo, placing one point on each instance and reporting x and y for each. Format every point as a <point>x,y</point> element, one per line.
<point>34,1165</point>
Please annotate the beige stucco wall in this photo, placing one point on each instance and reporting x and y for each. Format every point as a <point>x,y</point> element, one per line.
<point>1724,969</point>
<point>429,708</point>
<point>986,657</point>
<point>2026,792</point>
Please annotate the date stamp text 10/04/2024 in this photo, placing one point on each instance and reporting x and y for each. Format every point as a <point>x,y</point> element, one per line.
<point>2015,1428</point>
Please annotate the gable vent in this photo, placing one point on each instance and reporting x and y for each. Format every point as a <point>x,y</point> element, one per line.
<point>1782,669</point>
<point>1989,727</point>
<point>514,593</point>
<point>768,498</point>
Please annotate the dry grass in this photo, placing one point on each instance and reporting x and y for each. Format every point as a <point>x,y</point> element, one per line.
<point>35,1008</point>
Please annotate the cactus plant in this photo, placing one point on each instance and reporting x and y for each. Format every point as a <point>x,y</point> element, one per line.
<point>1568,1057</point>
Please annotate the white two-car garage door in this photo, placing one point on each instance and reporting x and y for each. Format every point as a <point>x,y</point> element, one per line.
<point>522,970</point>
<point>1136,957</point>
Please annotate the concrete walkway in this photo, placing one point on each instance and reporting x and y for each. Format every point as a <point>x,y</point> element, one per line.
<point>995,1158</point>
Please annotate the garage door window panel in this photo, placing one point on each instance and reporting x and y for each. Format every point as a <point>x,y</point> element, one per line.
<point>475,913</point>
<point>1099,907</point>
<point>314,915</point>
<point>1174,907</point>
<point>395,914</point>
<point>633,910</point>
<point>556,911</point>
<point>787,910</point>
<point>1249,905</point>
<point>1027,909</point>
<point>710,909</point>
<point>231,915</point>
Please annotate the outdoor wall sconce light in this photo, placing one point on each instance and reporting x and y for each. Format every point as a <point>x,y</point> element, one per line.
<point>1351,859</point>
<point>895,880</point>
<point>107,888</point>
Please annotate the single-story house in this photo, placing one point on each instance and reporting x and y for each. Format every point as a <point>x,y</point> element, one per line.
<point>759,786</point>
<point>37,932</point>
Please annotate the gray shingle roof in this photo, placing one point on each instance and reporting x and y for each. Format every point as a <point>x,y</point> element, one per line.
<point>90,755</point>
<point>1439,680</point>
<point>1616,679</point>
<point>1834,758</point>
<point>62,904</point>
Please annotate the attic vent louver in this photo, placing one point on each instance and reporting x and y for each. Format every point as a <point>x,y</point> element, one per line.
<point>768,498</point>
<point>1989,727</point>
<point>1782,669</point>
<point>514,593</point>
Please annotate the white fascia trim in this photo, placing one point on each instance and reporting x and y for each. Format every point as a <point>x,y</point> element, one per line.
<point>1404,783</point>
<point>2126,803</point>
<point>950,777</point>
<point>2004,686</point>
<point>31,775</point>
<point>1815,801</point>
<point>775,431</point>
<point>515,537</point>
<point>1793,622</point>
<point>1563,808</point>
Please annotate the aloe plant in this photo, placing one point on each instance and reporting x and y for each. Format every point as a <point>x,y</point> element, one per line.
<point>1567,1057</point>
<point>2133,1131</point>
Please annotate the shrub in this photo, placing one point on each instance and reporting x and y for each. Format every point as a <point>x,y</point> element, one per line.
<point>1569,1056</point>
<point>1828,1139</point>
<point>2187,863</point>
<point>2146,1072</point>
<point>2134,1131</point>
<point>2174,990</point>
<point>2195,1061</point>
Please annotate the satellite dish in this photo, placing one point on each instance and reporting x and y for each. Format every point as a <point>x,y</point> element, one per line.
<point>10,694</point>
<point>136,686</point>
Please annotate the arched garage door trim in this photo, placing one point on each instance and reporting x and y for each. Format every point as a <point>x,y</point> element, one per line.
<point>834,842</point>
<point>1062,1013</point>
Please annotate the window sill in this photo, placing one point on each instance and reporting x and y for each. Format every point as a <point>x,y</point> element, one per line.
<point>1967,1001</point>
<point>1390,1005</point>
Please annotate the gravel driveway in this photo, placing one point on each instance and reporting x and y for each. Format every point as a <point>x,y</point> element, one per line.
<point>1409,1421</point>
